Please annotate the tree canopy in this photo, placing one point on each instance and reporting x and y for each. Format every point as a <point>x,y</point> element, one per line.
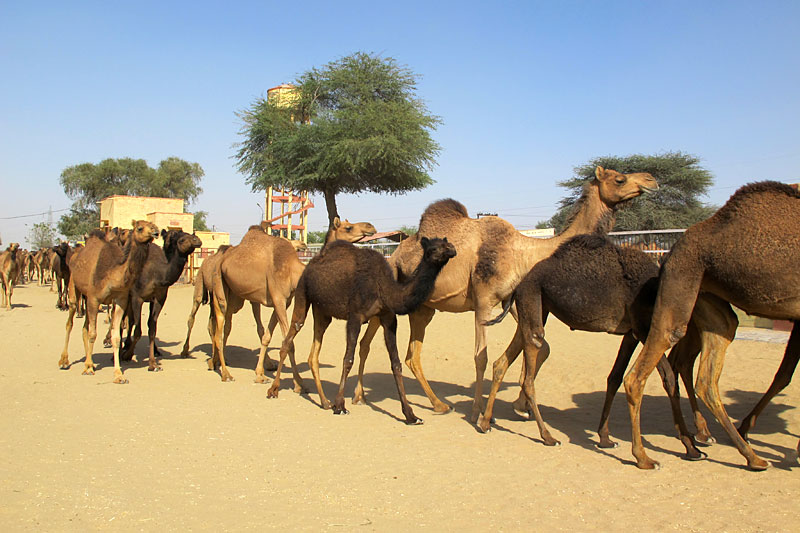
<point>676,204</point>
<point>41,235</point>
<point>353,125</point>
<point>86,184</point>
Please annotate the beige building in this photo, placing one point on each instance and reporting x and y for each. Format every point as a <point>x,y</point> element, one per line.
<point>166,213</point>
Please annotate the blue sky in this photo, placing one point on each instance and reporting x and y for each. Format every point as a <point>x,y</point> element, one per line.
<point>526,90</point>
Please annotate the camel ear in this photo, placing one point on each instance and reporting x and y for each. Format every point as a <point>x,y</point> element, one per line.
<point>600,172</point>
<point>425,243</point>
<point>336,222</point>
<point>163,234</point>
<point>133,223</point>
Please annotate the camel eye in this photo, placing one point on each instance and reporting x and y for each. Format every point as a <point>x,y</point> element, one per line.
<point>620,181</point>
<point>140,228</point>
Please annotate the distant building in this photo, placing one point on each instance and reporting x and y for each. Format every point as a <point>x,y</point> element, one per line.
<point>166,213</point>
<point>539,233</point>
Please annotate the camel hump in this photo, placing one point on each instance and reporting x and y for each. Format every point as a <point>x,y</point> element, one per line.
<point>587,241</point>
<point>443,209</point>
<point>765,187</point>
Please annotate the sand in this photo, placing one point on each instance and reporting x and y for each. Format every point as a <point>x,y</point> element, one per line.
<point>179,450</point>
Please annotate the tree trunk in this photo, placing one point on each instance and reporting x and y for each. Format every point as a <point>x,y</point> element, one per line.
<point>330,205</point>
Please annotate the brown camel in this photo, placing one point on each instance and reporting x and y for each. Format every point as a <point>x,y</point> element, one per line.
<point>160,272</point>
<point>590,284</point>
<point>746,254</point>
<point>104,273</point>
<point>60,269</point>
<point>356,284</point>
<point>22,262</point>
<point>8,272</point>
<point>492,259</point>
<point>263,270</point>
<point>30,265</point>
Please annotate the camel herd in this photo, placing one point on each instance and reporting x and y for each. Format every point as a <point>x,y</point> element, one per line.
<point>745,255</point>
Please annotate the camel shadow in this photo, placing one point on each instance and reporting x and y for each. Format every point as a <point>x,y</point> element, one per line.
<point>19,306</point>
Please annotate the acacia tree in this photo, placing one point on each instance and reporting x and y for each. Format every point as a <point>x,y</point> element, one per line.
<point>86,184</point>
<point>41,235</point>
<point>676,204</point>
<point>354,125</point>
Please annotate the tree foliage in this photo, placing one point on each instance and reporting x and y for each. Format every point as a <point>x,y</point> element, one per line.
<point>354,125</point>
<point>200,223</point>
<point>41,235</point>
<point>676,204</point>
<point>86,184</point>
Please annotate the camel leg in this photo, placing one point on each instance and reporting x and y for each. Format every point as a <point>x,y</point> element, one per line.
<point>499,369</point>
<point>535,356</point>
<point>197,299</point>
<point>717,333</point>
<point>321,323</point>
<point>482,314</point>
<point>389,323</point>
<point>221,316</point>
<point>152,327</point>
<point>287,347</point>
<point>418,320</point>
<point>363,353</point>
<point>119,311</point>
<point>353,329</point>
<point>278,315</point>
<point>134,315</point>
<point>782,378</point>
<point>614,380</point>
<point>89,335</point>
<point>682,358</point>
<point>671,388</point>
<point>269,363</point>
<point>74,298</point>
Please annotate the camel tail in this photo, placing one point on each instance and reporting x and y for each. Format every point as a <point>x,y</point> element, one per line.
<point>204,301</point>
<point>506,308</point>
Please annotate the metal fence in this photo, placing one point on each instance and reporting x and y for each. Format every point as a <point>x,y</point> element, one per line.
<point>656,242</point>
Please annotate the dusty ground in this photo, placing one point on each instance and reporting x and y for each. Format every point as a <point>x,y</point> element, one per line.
<point>179,450</point>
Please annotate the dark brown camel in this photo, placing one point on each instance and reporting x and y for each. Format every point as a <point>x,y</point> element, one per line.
<point>356,284</point>
<point>746,254</point>
<point>492,259</point>
<point>60,268</point>
<point>8,272</point>
<point>104,273</point>
<point>263,270</point>
<point>589,284</point>
<point>162,269</point>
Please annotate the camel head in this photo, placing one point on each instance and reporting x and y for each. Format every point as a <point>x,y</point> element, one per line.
<point>616,187</point>
<point>437,251</point>
<point>299,246</point>
<point>142,231</point>
<point>13,247</point>
<point>181,241</point>
<point>61,249</point>
<point>351,231</point>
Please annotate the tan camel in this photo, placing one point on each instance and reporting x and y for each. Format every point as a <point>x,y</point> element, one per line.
<point>356,284</point>
<point>104,273</point>
<point>492,259</point>
<point>263,270</point>
<point>746,254</point>
<point>8,272</point>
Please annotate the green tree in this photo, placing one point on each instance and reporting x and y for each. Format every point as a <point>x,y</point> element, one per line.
<point>354,125</point>
<point>409,230</point>
<point>200,223</point>
<point>42,235</point>
<point>316,237</point>
<point>676,204</point>
<point>86,184</point>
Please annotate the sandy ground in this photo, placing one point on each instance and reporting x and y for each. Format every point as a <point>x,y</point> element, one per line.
<point>179,450</point>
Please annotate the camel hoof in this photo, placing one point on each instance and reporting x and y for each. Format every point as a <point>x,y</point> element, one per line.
<point>758,465</point>
<point>359,400</point>
<point>552,442</point>
<point>648,464</point>
<point>414,421</point>
<point>340,411</point>
<point>299,389</point>
<point>441,409</point>
<point>155,369</point>
<point>227,379</point>
<point>121,380</point>
<point>88,372</point>
<point>699,457</point>
<point>261,379</point>
<point>607,444</point>
<point>704,440</point>
<point>483,425</point>
<point>272,393</point>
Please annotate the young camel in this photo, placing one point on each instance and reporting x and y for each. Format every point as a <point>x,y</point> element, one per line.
<point>263,270</point>
<point>493,258</point>
<point>746,254</point>
<point>8,272</point>
<point>356,284</point>
<point>566,284</point>
<point>104,273</point>
<point>162,270</point>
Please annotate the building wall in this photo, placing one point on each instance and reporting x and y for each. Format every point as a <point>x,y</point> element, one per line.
<point>212,240</point>
<point>118,211</point>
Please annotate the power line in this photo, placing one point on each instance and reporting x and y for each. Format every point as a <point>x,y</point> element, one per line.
<point>49,211</point>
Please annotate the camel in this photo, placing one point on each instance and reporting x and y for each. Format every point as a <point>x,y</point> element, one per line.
<point>22,262</point>
<point>590,284</point>
<point>746,254</point>
<point>263,270</point>
<point>203,284</point>
<point>60,269</point>
<point>162,270</point>
<point>30,265</point>
<point>492,259</point>
<point>8,272</point>
<point>105,273</point>
<point>356,284</point>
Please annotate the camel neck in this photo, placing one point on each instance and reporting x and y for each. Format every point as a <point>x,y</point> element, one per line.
<point>136,256</point>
